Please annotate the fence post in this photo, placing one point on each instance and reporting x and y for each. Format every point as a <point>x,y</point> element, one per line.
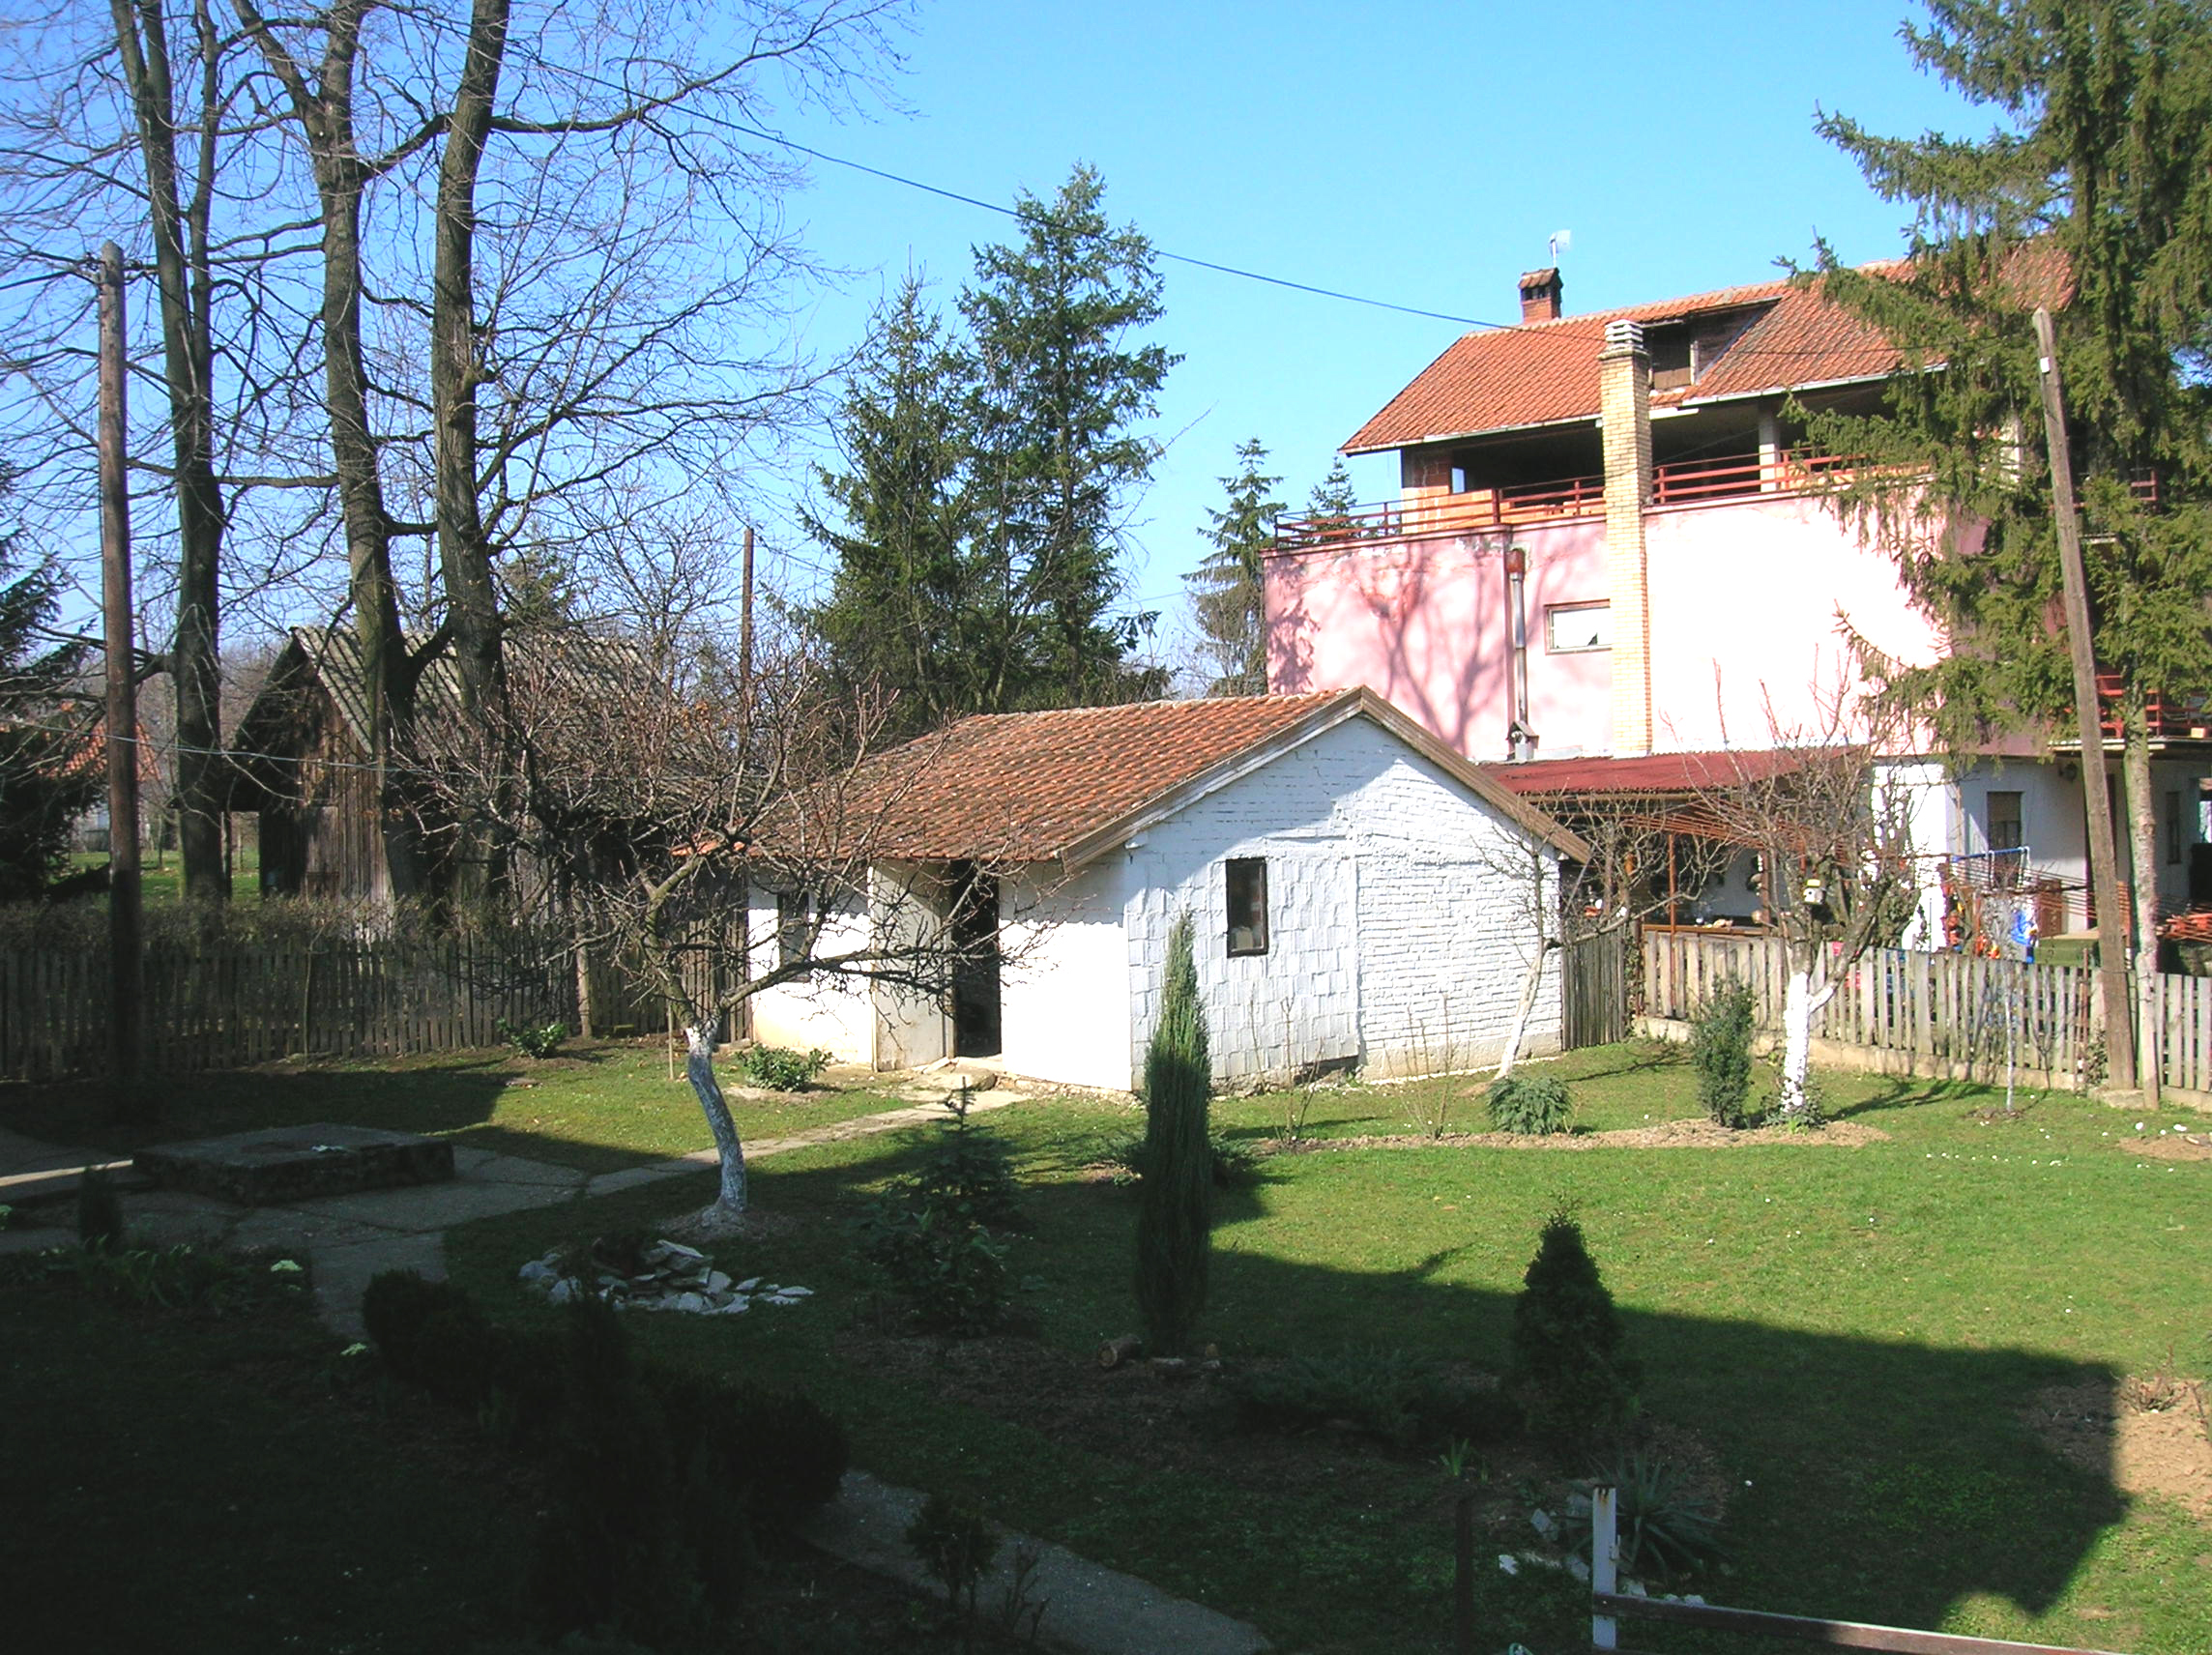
<point>1604,1564</point>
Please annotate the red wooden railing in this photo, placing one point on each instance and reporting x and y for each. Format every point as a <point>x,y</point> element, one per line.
<point>2171,717</point>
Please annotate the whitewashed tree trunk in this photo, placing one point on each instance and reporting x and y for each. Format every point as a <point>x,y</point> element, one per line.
<point>699,1069</point>
<point>1800,1001</point>
<point>1517,1031</point>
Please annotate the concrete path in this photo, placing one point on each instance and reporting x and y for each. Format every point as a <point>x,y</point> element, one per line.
<point>350,1238</point>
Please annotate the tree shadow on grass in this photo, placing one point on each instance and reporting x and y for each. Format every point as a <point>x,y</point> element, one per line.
<point>1873,1479</point>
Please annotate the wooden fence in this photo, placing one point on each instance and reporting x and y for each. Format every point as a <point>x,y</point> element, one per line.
<point>1949,1009</point>
<point>1593,990</point>
<point>226,1005</point>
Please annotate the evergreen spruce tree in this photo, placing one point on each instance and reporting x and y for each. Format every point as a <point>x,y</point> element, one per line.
<point>907,612</point>
<point>49,774</point>
<point>1225,587</point>
<point>1571,1375</point>
<point>989,468</point>
<point>1174,1220</point>
<point>1331,503</point>
<point>2091,199</point>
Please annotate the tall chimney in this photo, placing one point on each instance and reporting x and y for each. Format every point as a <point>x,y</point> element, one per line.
<point>1624,403</point>
<point>1540,296</point>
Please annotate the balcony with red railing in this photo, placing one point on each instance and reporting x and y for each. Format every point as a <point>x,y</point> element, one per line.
<point>2170,717</point>
<point>1688,482</point>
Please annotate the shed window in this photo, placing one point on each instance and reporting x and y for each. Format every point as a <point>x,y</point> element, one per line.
<point>2003,823</point>
<point>791,928</point>
<point>1247,905</point>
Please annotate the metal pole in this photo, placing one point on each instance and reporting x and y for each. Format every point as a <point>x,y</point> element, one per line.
<point>2104,858</point>
<point>1604,1563</point>
<point>746,619</point>
<point>123,932</point>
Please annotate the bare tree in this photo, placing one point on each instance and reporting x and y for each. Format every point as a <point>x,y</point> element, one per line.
<point>1832,832</point>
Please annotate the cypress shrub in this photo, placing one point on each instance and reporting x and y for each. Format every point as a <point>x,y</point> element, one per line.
<point>434,1335</point>
<point>1175,1217</point>
<point>1575,1383</point>
<point>1720,1052</point>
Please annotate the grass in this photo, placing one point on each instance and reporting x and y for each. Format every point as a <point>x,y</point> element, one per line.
<point>600,1105</point>
<point>1854,1331</point>
<point>161,879</point>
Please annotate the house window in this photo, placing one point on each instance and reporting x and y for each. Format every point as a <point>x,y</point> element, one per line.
<point>1247,905</point>
<point>2001,822</point>
<point>1572,628</point>
<point>2173,830</point>
<point>791,928</point>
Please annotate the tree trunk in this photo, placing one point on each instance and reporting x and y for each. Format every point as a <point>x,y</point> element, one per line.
<point>1532,983</point>
<point>471,600</point>
<point>2142,884</point>
<point>699,1069</point>
<point>187,353</point>
<point>325,114</point>
<point>1800,1002</point>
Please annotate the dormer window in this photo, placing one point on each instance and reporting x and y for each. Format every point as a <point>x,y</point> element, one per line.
<point>1671,359</point>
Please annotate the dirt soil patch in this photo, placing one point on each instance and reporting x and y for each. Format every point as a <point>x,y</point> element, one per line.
<point>1689,1134</point>
<point>2171,1146</point>
<point>2167,1453</point>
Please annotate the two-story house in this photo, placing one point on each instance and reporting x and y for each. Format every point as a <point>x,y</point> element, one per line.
<point>1607,546</point>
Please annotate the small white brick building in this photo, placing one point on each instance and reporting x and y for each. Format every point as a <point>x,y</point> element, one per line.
<point>1363,896</point>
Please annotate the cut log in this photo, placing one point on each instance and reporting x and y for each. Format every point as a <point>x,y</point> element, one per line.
<point>1114,1351</point>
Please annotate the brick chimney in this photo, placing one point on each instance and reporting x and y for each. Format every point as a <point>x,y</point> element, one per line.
<point>1624,401</point>
<point>1540,296</point>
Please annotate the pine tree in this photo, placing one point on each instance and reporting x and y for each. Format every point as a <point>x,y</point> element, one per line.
<point>1060,384</point>
<point>1226,589</point>
<point>1174,1222</point>
<point>2091,199</point>
<point>1331,503</point>
<point>907,612</point>
<point>48,775</point>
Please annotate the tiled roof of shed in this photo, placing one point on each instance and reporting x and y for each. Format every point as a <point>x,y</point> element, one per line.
<point>1032,787</point>
<point>1510,378</point>
<point>1665,773</point>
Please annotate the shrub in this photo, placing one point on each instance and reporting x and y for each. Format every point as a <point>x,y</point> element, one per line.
<point>956,1546</point>
<point>1174,1221</point>
<point>1534,1105</point>
<point>1404,1400</point>
<point>99,1211</point>
<point>950,1269</point>
<point>183,1277</point>
<point>1662,1525</point>
<point>1233,1164</point>
<point>434,1335</point>
<point>779,1451</point>
<point>968,1169</point>
<point>1575,1384</point>
<point>779,1069</point>
<point>612,1553</point>
<point>534,1039</point>
<point>1720,1053</point>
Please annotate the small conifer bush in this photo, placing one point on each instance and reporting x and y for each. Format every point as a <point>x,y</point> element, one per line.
<point>99,1211</point>
<point>1571,1374</point>
<point>1720,1053</point>
<point>1174,1221</point>
<point>1532,1104</point>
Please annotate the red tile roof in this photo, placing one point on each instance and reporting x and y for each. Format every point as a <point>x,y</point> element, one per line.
<point>1066,786</point>
<point>1509,378</point>
<point>1646,772</point>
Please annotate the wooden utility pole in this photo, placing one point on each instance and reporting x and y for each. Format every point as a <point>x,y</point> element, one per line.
<point>2103,860</point>
<point>746,619</point>
<point>124,964</point>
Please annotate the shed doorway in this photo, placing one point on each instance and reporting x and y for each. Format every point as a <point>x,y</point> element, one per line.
<point>976,976</point>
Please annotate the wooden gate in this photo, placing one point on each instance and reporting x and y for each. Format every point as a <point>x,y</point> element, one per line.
<point>1593,990</point>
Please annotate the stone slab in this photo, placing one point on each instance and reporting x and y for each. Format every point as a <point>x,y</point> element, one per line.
<point>287,1164</point>
<point>434,1206</point>
<point>342,1273</point>
<point>1089,1609</point>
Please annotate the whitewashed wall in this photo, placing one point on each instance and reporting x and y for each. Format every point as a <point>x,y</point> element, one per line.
<point>835,1014</point>
<point>1396,901</point>
<point>1064,993</point>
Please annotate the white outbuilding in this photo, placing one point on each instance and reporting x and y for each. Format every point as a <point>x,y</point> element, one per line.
<point>1363,896</point>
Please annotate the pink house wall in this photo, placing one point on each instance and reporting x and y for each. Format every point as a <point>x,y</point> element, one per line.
<point>1423,622</point>
<point>1745,604</point>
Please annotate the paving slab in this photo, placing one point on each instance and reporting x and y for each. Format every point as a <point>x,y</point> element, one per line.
<point>498,1166</point>
<point>342,1274</point>
<point>1089,1607</point>
<point>280,1165</point>
<point>437,1206</point>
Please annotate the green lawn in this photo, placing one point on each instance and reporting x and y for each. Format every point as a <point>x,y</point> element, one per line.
<point>599,1106</point>
<point>1853,1332</point>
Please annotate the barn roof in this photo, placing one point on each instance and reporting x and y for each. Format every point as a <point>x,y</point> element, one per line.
<point>1068,786</point>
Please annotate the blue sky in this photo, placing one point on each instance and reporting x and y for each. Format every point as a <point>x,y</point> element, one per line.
<point>1421,154</point>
